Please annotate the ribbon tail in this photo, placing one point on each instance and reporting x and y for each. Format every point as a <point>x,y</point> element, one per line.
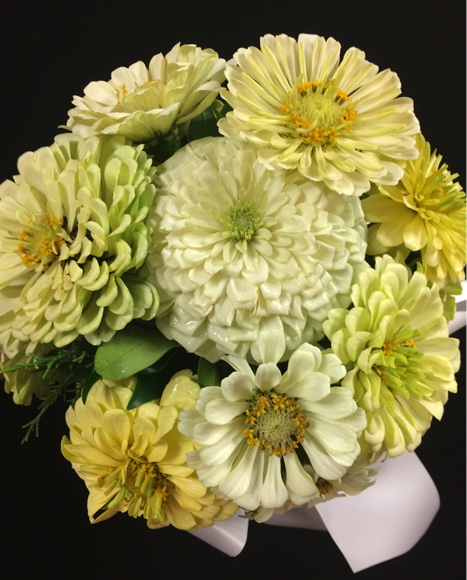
<point>387,519</point>
<point>228,536</point>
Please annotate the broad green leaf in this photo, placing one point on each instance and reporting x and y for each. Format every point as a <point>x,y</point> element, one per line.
<point>130,351</point>
<point>208,375</point>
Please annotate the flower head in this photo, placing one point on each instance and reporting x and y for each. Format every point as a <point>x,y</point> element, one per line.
<point>424,212</point>
<point>267,437</point>
<point>340,122</point>
<point>239,248</point>
<point>140,102</point>
<point>134,461</point>
<point>24,382</point>
<point>72,236</point>
<point>401,361</point>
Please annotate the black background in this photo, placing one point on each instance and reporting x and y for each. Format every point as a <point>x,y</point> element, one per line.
<point>49,52</point>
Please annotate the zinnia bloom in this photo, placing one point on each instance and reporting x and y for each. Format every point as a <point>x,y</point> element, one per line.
<point>267,437</point>
<point>424,212</point>
<point>72,237</point>
<point>238,247</point>
<point>24,382</point>
<point>135,461</point>
<point>141,103</point>
<point>401,361</point>
<point>340,122</point>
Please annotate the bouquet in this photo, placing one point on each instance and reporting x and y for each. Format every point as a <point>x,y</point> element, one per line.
<point>238,276</point>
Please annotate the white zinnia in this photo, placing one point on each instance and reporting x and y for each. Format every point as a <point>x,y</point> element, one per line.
<point>268,437</point>
<point>140,102</point>
<point>335,121</point>
<point>239,247</point>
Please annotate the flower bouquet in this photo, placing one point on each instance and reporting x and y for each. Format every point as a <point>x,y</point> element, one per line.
<point>239,277</point>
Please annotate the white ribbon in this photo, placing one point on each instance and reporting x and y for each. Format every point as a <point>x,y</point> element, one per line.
<point>383,522</point>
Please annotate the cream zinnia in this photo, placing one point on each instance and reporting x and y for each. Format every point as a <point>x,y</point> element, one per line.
<point>72,237</point>
<point>340,122</point>
<point>238,247</point>
<point>134,461</point>
<point>400,359</point>
<point>142,102</point>
<point>267,437</point>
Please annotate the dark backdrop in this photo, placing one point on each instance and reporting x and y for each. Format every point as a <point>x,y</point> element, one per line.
<point>50,51</point>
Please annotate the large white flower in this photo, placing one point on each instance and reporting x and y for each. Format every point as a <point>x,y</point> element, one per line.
<point>335,121</point>
<point>268,437</point>
<point>239,246</point>
<point>141,102</point>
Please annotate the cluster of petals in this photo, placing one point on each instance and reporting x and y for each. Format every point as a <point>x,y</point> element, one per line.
<point>72,237</point>
<point>425,212</point>
<point>23,383</point>
<point>336,121</point>
<point>134,461</point>
<point>247,473</point>
<point>238,247</point>
<point>142,102</point>
<point>401,362</point>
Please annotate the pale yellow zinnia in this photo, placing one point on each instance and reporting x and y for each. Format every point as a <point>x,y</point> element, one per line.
<point>337,121</point>
<point>426,212</point>
<point>134,461</point>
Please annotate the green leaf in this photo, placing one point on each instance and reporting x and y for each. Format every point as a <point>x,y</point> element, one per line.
<point>152,381</point>
<point>148,388</point>
<point>205,124</point>
<point>88,383</point>
<point>208,374</point>
<point>130,351</point>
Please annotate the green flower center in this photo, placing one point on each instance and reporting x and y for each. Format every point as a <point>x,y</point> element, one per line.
<point>241,221</point>
<point>40,243</point>
<point>402,369</point>
<point>318,113</point>
<point>275,424</point>
<point>141,487</point>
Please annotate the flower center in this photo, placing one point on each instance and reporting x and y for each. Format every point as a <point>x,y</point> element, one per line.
<point>318,113</point>
<point>275,424</point>
<point>402,368</point>
<point>41,242</point>
<point>241,222</point>
<point>143,488</point>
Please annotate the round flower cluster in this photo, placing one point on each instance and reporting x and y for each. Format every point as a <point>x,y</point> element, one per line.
<point>247,303</point>
<point>135,461</point>
<point>395,343</point>
<point>72,237</point>
<point>239,248</point>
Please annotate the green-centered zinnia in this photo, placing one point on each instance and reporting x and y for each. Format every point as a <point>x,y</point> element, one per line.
<point>267,436</point>
<point>239,247</point>
<point>72,237</point>
<point>134,461</point>
<point>336,121</point>
<point>424,212</point>
<point>395,343</point>
<point>142,102</point>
